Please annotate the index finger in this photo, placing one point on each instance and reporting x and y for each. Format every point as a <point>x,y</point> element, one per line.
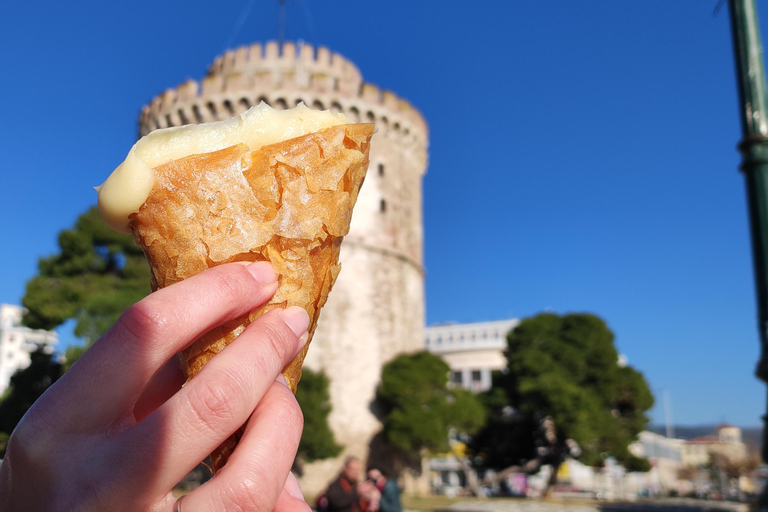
<point>112,374</point>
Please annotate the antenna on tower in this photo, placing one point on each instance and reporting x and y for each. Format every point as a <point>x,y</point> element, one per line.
<point>281,23</point>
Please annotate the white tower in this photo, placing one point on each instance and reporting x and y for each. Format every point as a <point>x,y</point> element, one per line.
<point>376,308</point>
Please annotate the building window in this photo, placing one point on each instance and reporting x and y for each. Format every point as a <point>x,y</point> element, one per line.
<point>456,377</point>
<point>381,169</point>
<point>477,380</point>
<point>382,206</point>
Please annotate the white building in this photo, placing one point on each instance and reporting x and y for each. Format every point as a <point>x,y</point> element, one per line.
<point>472,351</point>
<point>17,342</point>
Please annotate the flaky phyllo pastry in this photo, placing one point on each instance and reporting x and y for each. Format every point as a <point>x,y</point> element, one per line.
<point>266,185</point>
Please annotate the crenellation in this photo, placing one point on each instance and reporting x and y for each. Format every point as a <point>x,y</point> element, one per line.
<point>187,91</point>
<point>289,52</point>
<point>321,72</point>
<point>216,67</point>
<point>272,52</point>
<point>255,51</point>
<point>167,99</point>
<point>307,54</point>
<point>228,63</point>
<point>241,58</point>
<point>323,57</point>
<point>154,106</point>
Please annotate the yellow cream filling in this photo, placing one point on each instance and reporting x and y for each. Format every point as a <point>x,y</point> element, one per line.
<point>128,187</point>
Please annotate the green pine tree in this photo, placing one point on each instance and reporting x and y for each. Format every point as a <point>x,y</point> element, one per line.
<point>419,409</point>
<point>563,382</point>
<point>317,440</point>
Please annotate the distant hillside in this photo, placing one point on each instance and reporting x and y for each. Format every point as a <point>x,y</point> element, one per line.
<point>752,436</point>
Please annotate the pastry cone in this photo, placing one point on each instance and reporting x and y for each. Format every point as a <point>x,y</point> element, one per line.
<point>288,203</point>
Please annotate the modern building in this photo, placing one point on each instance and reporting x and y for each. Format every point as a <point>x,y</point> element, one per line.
<point>17,342</point>
<point>472,351</point>
<point>376,308</point>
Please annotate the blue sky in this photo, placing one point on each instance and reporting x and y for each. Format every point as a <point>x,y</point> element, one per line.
<point>582,155</point>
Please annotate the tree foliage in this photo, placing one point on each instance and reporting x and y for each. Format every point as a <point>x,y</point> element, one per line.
<point>419,409</point>
<point>26,386</point>
<point>317,441</point>
<point>96,275</point>
<point>564,368</point>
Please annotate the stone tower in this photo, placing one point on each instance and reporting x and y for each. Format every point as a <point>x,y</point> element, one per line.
<point>376,308</point>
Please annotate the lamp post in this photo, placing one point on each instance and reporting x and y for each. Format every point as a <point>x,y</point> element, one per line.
<point>753,96</point>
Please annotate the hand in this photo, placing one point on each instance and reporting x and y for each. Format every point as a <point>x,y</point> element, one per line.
<point>118,431</point>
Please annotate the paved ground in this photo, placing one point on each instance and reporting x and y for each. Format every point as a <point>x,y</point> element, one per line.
<point>522,505</point>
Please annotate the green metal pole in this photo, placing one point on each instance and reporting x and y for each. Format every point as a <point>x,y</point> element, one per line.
<point>753,94</point>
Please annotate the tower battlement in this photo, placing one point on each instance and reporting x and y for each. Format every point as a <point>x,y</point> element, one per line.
<point>283,76</point>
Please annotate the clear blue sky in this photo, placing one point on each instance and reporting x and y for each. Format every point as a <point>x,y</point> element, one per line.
<point>582,155</point>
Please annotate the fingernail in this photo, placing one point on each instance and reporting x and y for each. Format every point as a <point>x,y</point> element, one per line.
<point>263,272</point>
<point>296,318</point>
<point>281,379</point>
<point>303,340</point>
<point>292,486</point>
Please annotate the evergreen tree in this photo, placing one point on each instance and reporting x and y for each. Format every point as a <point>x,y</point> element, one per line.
<point>564,393</point>
<point>419,409</point>
<point>317,440</point>
<point>26,386</point>
<point>96,275</point>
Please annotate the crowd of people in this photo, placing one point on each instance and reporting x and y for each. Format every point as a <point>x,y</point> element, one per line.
<point>350,493</point>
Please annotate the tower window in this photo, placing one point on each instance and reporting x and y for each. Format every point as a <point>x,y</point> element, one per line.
<point>381,169</point>
<point>382,206</point>
<point>212,109</point>
<point>196,112</point>
<point>183,117</point>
